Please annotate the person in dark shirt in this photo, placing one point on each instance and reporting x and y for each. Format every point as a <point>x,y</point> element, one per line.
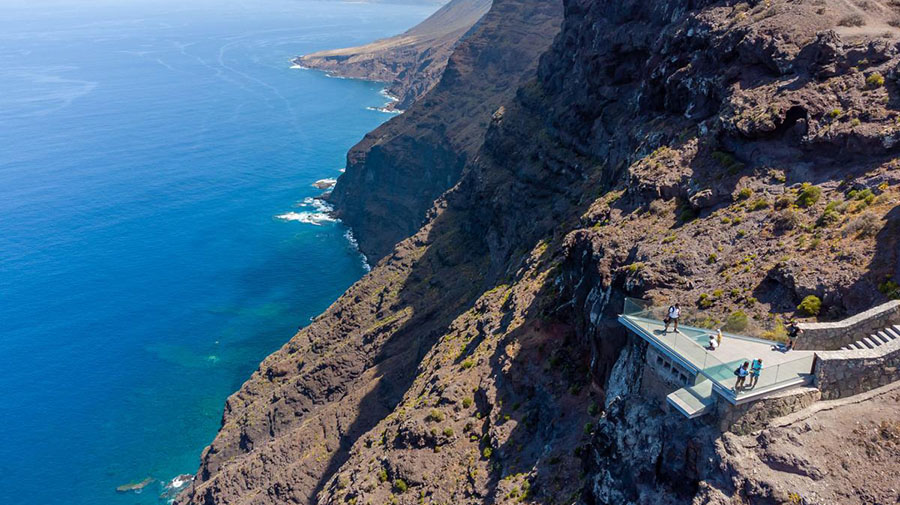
<point>742,372</point>
<point>794,332</point>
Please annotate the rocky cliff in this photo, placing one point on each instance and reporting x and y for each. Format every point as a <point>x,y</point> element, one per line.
<point>395,173</point>
<point>737,157</point>
<point>412,62</point>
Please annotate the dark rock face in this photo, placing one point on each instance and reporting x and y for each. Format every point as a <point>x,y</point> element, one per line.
<point>396,172</point>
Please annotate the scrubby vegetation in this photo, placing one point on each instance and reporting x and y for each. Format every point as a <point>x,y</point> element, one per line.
<point>875,80</point>
<point>811,305</point>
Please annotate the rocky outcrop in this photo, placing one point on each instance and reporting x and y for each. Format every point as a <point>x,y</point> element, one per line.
<point>412,62</point>
<point>670,149</point>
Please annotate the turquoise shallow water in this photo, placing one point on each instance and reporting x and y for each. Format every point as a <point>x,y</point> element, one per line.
<point>147,149</point>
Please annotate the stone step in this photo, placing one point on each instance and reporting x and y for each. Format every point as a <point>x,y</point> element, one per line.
<point>883,336</point>
<point>891,333</point>
<point>896,329</point>
<point>845,348</point>
<point>855,346</point>
<point>879,338</point>
<point>868,342</point>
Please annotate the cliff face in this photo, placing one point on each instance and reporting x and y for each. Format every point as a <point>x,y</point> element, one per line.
<point>734,157</point>
<point>412,62</point>
<point>395,173</point>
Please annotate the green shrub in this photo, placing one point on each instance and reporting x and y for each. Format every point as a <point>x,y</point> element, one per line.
<point>486,453</point>
<point>593,409</point>
<point>863,195</point>
<point>704,301</point>
<point>687,214</point>
<point>467,364</point>
<point>835,112</point>
<point>759,204</point>
<point>400,485</point>
<point>863,226</point>
<point>712,258</point>
<point>809,195</point>
<point>467,402</point>
<point>811,305</point>
<point>435,415</point>
<point>736,321</point>
<point>448,432</point>
<point>382,475</point>
<point>783,202</point>
<point>728,162</point>
<point>787,219</point>
<point>744,194</point>
<point>588,428</point>
<point>875,80</point>
<point>635,267</point>
<point>830,217</point>
<point>890,289</point>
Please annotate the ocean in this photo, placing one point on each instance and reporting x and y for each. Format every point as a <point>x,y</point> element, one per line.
<point>157,237</point>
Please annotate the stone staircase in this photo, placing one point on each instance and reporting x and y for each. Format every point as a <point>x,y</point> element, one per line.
<point>882,337</point>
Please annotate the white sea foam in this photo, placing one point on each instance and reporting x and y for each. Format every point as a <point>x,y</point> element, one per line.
<point>350,238</point>
<point>314,218</point>
<point>392,98</point>
<point>299,67</point>
<point>385,110</point>
<point>316,203</point>
<point>180,481</point>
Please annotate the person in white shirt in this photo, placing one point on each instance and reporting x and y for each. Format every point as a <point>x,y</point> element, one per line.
<point>713,342</point>
<point>672,317</point>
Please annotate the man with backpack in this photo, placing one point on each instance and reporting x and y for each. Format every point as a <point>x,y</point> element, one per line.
<point>672,317</point>
<point>742,372</point>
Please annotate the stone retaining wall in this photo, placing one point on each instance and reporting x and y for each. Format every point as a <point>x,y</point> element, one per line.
<point>833,336</point>
<point>845,373</point>
<point>748,417</point>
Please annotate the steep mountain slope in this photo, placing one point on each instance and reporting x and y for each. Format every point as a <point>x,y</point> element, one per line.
<point>394,174</point>
<point>736,157</point>
<point>411,62</point>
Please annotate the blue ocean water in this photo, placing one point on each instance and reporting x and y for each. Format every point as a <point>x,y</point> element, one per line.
<point>147,148</point>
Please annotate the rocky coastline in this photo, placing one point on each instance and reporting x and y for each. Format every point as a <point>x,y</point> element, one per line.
<point>740,158</point>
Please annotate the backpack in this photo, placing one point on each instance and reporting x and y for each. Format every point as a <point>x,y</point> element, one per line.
<point>737,371</point>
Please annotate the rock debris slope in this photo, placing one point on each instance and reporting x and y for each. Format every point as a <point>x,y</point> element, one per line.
<point>738,157</point>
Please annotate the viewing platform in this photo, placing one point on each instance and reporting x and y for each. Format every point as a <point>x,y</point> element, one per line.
<point>708,375</point>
